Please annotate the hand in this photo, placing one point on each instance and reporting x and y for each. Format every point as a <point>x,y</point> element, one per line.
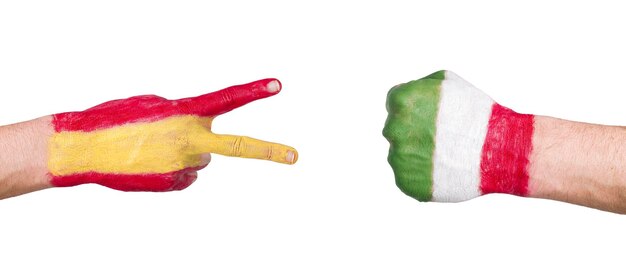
<point>450,142</point>
<point>149,143</point>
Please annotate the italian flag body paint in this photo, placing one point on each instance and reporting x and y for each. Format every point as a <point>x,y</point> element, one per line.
<point>149,143</point>
<point>450,142</point>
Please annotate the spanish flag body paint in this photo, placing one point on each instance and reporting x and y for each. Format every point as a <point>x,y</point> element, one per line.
<point>149,143</point>
<point>449,142</point>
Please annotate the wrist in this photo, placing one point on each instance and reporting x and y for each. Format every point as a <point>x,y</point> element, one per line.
<point>23,163</point>
<point>506,152</point>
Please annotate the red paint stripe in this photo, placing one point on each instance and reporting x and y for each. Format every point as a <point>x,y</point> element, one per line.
<point>150,108</point>
<point>176,180</point>
<point>504,162</point>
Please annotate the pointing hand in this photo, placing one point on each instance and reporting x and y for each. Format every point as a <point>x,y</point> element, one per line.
<point>149,143</point>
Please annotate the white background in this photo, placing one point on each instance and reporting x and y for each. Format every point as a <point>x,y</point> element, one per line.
<point>336,212</point>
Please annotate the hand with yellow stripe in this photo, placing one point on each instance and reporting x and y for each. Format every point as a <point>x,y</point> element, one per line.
<point>149,143</point>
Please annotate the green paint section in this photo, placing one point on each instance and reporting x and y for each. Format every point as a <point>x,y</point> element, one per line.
<point>439,75</point>
<point>410,130</point>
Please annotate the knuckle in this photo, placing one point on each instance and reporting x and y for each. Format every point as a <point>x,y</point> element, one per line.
<point>270,153</point>
<point>237,147</point>
<point>228,96</point>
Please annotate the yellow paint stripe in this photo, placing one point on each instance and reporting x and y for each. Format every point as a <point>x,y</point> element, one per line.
<point>167,145</point>
<point>163,146</point>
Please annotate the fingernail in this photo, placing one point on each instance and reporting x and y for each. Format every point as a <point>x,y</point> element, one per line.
<point>291,157</point>
<point>273,86</point>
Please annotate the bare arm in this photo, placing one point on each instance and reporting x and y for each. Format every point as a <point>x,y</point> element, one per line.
<point>23,155</point>
<point>579,163</point>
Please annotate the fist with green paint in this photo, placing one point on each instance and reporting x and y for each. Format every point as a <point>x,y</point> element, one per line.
<point>450,142</point>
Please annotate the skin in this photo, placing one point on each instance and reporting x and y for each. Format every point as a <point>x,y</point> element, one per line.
<point>143,143</point>
<point>23,163</point>
<point>579,163</point>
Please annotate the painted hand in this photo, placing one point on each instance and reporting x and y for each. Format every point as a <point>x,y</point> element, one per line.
<point>450,142</point>
<point>149,143</point>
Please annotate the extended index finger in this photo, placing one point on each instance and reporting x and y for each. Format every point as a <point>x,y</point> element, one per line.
<point>246,147</point>
<point>225,100</point>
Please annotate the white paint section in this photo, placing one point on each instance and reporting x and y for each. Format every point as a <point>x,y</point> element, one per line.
<point>462,122</point>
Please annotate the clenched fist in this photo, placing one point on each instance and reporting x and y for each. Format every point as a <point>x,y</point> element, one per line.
<point>450,142</point>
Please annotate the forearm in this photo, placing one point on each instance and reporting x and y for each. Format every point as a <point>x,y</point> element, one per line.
<point>579,163</point>
<point>23,157</point>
